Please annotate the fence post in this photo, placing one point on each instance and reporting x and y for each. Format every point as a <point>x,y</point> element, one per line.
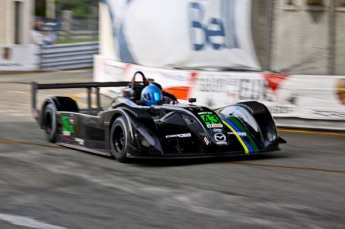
<point>270,34</point>
<point>66,23</point>
<point>331,38</point>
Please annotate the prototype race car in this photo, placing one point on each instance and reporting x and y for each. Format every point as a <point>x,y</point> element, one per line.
<point>129,128</point>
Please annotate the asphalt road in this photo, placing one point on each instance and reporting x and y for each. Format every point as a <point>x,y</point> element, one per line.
<point>49,187</point>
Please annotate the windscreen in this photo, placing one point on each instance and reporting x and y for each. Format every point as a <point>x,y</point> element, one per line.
<point>242,114</point>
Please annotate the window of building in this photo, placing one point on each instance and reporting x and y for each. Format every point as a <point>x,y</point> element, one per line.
<point>315,2</point>
<point>340,5</point>
<point>17,6</point>
<point>289,5</point>
<point>315,5</point>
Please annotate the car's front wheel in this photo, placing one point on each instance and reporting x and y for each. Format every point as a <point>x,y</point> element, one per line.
<point>49,122</point>
<point>119,139</point>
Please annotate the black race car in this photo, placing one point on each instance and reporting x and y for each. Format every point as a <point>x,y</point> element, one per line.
<point>130,129</point>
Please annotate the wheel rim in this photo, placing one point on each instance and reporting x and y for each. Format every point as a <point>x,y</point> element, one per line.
<point>48,124</point>
<point>119,140</point>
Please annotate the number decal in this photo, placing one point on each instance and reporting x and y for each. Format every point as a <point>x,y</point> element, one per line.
<point>215,119</point>
<point>210,119</point>
<point>67,128</point>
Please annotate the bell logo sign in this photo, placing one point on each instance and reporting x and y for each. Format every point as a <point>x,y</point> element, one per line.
<point>211,31</point>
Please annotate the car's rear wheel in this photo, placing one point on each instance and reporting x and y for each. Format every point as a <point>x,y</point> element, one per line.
<point>50,124</point>
<point>119,139</point>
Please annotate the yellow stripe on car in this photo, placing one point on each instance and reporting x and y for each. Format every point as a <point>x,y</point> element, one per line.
<point>246,150</point>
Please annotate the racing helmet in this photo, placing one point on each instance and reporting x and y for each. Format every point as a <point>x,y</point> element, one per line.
<point>151,94</point>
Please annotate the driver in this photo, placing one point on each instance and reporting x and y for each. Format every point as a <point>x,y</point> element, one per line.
<point>152,95</point>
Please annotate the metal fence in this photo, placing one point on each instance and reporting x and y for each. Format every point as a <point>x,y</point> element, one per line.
<point>68,56</point>
<point>303,38</point>
<point>78,27</point>
<point>72,27</point>
<point>84,23</point>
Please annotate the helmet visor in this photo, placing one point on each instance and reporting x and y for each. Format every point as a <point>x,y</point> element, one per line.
<point>153,96</point>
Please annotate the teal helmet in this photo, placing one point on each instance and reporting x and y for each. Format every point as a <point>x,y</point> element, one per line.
<point>151,94</point>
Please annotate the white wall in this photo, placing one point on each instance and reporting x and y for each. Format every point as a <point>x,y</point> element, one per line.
<point>340,41</point>
<point>301,38</point>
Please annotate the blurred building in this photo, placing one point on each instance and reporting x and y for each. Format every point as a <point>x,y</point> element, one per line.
<point>16,21</point>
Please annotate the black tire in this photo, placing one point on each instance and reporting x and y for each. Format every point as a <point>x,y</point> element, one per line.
<point>119,139</point>
<point>50,123</point>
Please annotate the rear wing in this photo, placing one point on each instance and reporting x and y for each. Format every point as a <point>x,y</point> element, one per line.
<point>88,85</point>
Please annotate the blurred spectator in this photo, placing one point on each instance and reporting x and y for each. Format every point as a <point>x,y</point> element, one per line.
<point>37,36</point>
<point>38,22</point>
<point>49,38</point>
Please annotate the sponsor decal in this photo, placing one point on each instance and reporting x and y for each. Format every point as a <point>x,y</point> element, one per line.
<point>80,141</point>
<point>216,83</point>
<point>274,80</point>
<point>67,126</point>
<point>174,76</point>
<point>215,125</point>
<point>281,109</point>
<point>293,99</point>
<point>263,88</point>
<point>211,28</point>
<point>340,89</point>
<point>220,137</point>
<point>205,112</point>
<point>66,133</point>
<point>206,141</point>
<point>243,134</point>
<point>239,89</point>
<point>67,139</point>
<point>186,135</point>
<point>6,53</point>
<point>217,130</point>
<point>245,106</point>
<point>326,113</point>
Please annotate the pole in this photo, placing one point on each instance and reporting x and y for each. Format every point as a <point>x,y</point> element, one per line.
<point>331,38</point>
<point>270,34</point>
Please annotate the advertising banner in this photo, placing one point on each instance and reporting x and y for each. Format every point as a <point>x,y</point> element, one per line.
<point>290,96</point>
<point>188,34</point>
<point>18,57</point>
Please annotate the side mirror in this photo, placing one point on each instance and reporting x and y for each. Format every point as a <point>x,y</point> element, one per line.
<point>192,100</point>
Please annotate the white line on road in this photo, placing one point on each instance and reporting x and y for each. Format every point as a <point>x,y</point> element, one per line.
<point>5,111</point>
<point>27,222</point>
<point>19,92</point>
